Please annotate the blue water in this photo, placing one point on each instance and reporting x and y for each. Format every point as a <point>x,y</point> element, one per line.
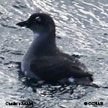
<point>83,28</point>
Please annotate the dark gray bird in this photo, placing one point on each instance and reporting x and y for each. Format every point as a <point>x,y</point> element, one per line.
<point>44,61</point>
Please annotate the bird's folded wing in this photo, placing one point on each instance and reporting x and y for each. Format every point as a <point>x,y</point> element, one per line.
<point>56,68</point>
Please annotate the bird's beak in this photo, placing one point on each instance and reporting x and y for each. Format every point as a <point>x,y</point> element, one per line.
<point>23,24</point>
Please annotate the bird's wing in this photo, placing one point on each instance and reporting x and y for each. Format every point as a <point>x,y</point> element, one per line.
<point>55,68</point>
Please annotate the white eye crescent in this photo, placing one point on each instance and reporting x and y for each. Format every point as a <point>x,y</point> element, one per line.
<point>38,19</point>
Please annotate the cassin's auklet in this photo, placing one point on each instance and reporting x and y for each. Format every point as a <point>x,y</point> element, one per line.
<point>44,60</point>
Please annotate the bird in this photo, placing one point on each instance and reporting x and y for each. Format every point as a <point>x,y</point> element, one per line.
<point>44,60</point>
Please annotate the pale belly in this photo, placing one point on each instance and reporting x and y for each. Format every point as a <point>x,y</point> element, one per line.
<point>25,68</point>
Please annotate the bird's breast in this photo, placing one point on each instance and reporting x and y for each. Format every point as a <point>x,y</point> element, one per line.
<point>25,68</point>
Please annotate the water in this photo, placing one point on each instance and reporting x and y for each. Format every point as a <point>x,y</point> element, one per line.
<point>83,28</point>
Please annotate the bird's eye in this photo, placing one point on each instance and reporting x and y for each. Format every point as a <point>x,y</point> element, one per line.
<point>38,19</point>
